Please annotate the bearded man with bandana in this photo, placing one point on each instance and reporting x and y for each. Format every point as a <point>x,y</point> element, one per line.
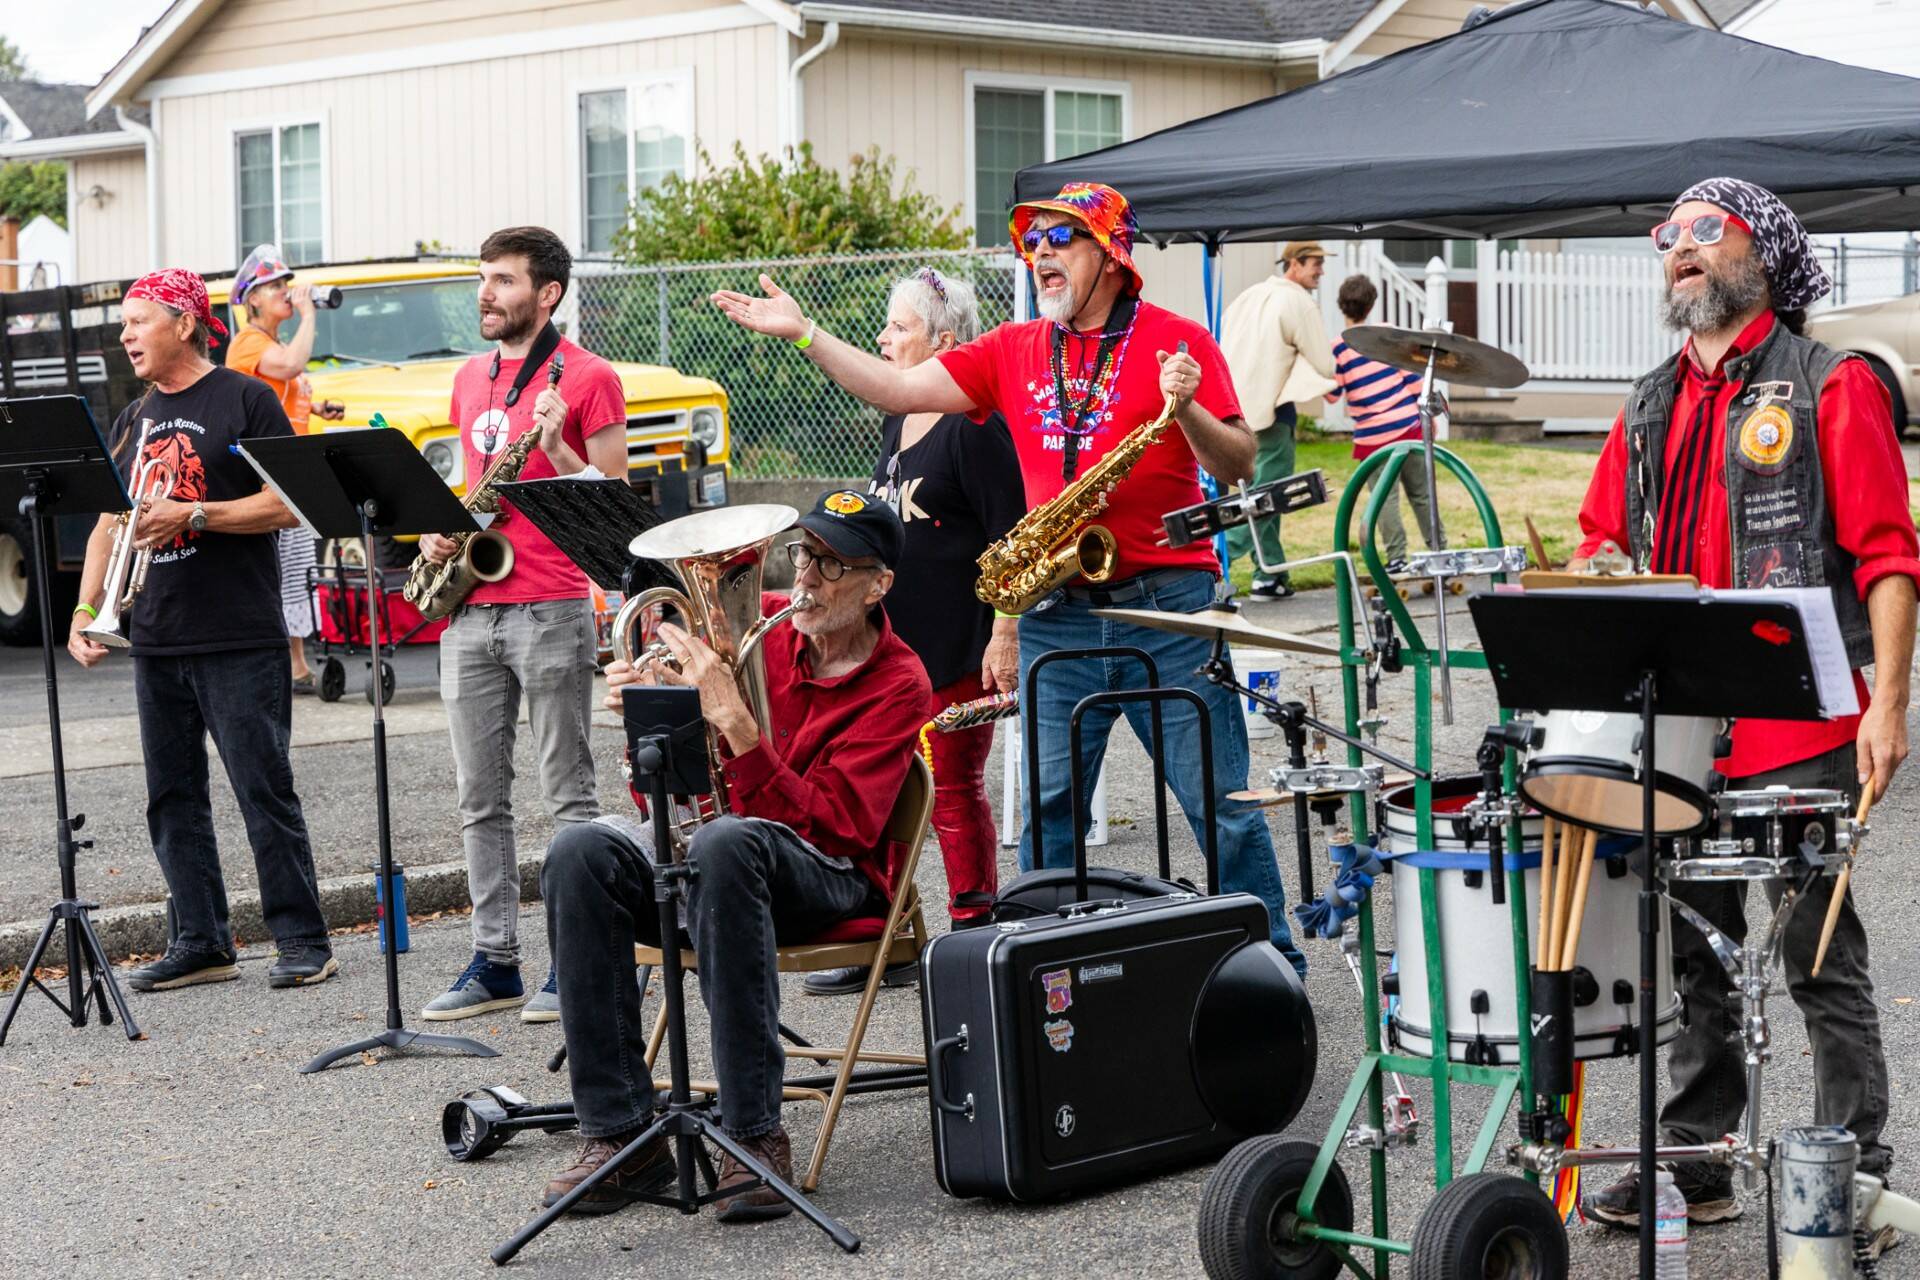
<point>1071,385</point>
<point>1756,457</point>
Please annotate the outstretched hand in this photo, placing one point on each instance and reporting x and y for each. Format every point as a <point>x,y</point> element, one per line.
<point>777,315</point>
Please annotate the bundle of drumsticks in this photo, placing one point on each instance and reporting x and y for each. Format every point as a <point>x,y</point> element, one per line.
<point>1564,877</point>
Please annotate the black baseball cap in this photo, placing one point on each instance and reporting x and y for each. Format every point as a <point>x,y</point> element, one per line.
<point>857,524</point>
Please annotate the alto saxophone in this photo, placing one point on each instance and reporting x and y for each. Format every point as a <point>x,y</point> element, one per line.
<point>436,589</point>
<point>1057,539</point>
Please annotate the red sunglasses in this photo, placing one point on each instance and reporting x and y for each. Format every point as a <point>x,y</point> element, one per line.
<point>1708,228</point>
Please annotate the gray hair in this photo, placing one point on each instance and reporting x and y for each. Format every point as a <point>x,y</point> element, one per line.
<point>943,303</point>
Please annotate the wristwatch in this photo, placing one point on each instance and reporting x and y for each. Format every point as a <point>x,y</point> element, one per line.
<point>198,520</point>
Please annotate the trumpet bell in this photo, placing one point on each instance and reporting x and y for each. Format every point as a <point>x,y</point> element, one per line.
<point>106,630</point>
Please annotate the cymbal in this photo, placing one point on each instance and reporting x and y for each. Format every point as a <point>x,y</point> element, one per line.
<point>1455,356</point>
<point>1209,623</point>
<point>1268,797</point>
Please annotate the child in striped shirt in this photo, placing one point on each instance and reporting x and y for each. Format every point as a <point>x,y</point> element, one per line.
<point>1383,403</point>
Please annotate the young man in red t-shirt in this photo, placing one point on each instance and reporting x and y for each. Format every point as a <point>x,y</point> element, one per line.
<point>1756,457</point>
<point>1071,386</point>
<point>532,631</point>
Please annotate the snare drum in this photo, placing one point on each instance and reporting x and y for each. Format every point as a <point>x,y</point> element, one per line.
<point>1586,770</point>
<point>1475,941</point>
<point>1758,835</point>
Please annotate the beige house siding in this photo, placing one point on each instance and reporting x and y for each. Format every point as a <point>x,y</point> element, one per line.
<point>109,233</point>
<point>909,98</point>
<point>264,33</point>
<point>450,153</point>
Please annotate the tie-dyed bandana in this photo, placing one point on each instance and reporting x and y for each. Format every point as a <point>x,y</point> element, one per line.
<point>180,289</point>
<point>1794,275</point>
<point>1104,211</point>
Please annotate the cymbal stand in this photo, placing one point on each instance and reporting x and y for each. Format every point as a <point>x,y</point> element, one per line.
<point>1432,406</point>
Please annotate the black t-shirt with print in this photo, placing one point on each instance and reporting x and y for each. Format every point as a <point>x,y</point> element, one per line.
<point>207,592</point>
<point>957,489</point>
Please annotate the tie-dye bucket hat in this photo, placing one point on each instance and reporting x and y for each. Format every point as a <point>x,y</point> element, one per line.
<point>1104,212</point>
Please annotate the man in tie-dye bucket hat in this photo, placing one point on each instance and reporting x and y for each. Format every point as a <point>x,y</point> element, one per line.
<point>1099,362</point>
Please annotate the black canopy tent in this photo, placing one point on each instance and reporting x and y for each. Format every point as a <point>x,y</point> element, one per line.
<point>1552,118</point>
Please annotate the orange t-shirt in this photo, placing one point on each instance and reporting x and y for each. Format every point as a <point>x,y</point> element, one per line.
<point>243,356</point>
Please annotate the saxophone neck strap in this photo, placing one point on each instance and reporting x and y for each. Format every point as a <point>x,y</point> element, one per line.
<point>544,345</point>
<point>1074,417</point>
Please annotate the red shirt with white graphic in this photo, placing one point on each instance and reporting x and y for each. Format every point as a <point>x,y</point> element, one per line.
<point>1009,371</point>
<point>595,403</point>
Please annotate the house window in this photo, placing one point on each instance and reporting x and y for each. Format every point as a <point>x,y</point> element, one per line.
<point>1014,127</point>
<point>631,139</point>
<point>277,185</point>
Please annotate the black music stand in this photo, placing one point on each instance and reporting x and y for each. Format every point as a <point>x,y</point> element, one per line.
<point>1621,650</point>
<point>668,753</point>
<point>53,462</point>
<point>352,484</point>
<point>593,522</point>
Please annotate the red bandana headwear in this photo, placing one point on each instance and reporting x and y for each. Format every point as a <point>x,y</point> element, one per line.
<point>180,289</point>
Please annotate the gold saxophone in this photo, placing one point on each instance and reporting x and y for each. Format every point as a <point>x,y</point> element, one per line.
<point>1057,539</point>
<point>436,590</point>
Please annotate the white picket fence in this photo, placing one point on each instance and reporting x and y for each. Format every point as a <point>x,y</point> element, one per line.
<point>1576,316</point>
<point>1403,299</point>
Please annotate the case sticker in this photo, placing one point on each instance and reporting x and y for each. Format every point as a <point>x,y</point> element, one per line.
<point>1064,1120</point>
<point>1059,1034</point>
<point>1059,988</point>
<point>1107,972</point>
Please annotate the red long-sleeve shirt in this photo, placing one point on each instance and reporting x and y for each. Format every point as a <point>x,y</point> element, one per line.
<point>832,760</point>
<point>1866,488</point>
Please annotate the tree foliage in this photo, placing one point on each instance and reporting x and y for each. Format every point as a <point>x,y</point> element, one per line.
<point>30,189</point>
<point>13,62</point>
<point>787,207</point>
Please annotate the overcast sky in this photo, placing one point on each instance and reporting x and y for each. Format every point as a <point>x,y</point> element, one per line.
<point>76,43</point>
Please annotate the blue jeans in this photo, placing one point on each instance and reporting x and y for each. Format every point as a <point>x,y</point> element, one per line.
<point>243,699</point>
<point>1246,849</point>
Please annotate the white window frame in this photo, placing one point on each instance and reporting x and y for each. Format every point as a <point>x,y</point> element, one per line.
<point>1049,85</point>
<point>631,82</point>
<point>274,124</point>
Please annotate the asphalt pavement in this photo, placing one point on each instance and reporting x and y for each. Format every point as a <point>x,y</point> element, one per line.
<point>201,1150</point>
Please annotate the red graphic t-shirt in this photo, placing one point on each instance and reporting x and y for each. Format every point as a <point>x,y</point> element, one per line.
<point>595,403</point>
<point>1009,370</point>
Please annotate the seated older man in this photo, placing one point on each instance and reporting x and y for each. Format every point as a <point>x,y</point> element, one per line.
<point>803,850</point>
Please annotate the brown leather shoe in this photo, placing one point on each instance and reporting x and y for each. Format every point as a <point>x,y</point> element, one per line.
<point>772,1150</point>
<point>648,1169</point>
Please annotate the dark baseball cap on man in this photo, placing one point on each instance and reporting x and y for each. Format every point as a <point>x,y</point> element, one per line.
<point>855,525</point>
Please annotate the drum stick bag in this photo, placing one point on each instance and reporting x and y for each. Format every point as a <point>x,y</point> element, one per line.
<point>1552,1032</point>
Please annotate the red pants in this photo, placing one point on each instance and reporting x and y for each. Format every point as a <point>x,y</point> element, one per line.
<point>962,815</point>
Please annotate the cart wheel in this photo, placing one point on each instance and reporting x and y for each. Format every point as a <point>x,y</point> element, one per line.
<point>333,680</point>
<point>1247,1213</point>
<point>1490,1224</point>
<point>468,1126</point>
<point>387,682</point>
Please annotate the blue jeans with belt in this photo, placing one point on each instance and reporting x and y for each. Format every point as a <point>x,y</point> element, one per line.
<point>1247,862</point>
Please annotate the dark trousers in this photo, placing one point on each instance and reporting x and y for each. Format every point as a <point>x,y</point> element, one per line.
<point>1707,1064</point>
<point>243,698</point>
<point>755,884</point>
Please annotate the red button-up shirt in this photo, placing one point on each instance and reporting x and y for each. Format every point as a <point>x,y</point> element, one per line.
<point>831,763</point>
<point>1866,487</point>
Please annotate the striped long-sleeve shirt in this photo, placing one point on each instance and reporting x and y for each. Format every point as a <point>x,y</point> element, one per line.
<point>1382,401</point>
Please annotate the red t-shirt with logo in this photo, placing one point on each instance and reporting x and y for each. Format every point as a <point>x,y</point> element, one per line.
<point>1009,371</point>
<point>595,403</point>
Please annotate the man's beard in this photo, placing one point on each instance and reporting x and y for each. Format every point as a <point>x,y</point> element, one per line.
<point>1726,295</point>
<point>515,326</point>
<point>826,619</point>
<point>1060,308</point>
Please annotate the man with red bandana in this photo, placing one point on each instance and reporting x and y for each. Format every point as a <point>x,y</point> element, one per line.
<point>1071,385</point>
<point>1757,457</point>
<point>208,642</point>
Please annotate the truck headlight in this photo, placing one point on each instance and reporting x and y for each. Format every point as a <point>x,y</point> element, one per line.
<point>444,459</point>
<point>704,427</point>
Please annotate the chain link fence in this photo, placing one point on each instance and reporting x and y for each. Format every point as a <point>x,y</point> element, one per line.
<point>1869,273</point>
<point>788,421</point>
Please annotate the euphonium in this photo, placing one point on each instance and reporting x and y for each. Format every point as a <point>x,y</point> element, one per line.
<point>127,564</point>
<point>1058,540</point>
<point>720,556</point>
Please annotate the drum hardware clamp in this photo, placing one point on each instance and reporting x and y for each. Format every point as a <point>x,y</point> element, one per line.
<point>1324,777</point>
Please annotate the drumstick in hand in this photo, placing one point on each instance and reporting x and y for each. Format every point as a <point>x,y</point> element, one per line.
<point>1546,893</point>
<point>1840,884</point>
<point>1581,879</point>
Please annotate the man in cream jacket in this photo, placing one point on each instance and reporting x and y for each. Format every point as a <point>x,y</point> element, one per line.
<point>1276,346</point>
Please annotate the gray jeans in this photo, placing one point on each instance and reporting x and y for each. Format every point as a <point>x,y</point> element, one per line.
<point>1843,1024</point>
<point>1392,530</point>
<point>489,655</point>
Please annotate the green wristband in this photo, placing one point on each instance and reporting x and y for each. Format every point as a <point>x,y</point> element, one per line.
<point>807,341</point>
<point>87,609</point>
<point>998,614</point>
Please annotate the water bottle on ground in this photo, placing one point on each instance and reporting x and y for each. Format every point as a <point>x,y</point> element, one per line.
<point>1669,1229</point>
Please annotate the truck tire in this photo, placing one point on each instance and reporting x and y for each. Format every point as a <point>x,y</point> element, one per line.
<point>19,611</point>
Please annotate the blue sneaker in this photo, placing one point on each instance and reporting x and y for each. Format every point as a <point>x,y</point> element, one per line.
<point>482,987</point>
<point>544,1006</point>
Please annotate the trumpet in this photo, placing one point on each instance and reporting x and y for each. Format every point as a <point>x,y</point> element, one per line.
<point>127,564</point>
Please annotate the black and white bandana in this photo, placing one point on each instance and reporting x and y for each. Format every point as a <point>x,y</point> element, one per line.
<point>1794,276</point>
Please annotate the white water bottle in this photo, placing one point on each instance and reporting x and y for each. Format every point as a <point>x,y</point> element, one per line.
<point>1669,1229</point>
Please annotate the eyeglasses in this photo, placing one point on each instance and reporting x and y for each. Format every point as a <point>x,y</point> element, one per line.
<point>1708,228</point>
<point>1059,236</point>
<point>832,568</point>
